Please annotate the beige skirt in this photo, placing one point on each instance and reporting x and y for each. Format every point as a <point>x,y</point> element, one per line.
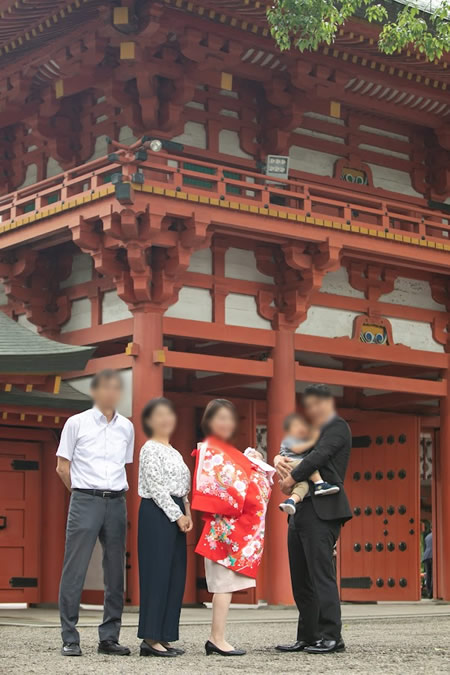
<point>220,579</point>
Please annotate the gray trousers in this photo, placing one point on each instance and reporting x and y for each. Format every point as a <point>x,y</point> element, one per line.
<point>91,517</point>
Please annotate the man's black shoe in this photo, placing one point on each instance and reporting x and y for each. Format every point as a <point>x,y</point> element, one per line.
<point>298,646</point>
<point>71,649</point>
<point>111,647</point>
<point>326,647</point>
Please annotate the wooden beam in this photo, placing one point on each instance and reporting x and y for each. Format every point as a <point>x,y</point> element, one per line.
<point>117,362</point>
<point>203,330</point>
<point>383,401</point>
<point>221,382</point>
<point>349,348</point>
<point>364,380</point>
<point>218,364</point>
<point>116,330</point>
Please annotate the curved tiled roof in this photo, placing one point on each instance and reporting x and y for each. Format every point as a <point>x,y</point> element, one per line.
<point>23,351</point>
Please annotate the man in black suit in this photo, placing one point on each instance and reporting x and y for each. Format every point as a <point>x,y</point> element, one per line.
<point>315,527</point>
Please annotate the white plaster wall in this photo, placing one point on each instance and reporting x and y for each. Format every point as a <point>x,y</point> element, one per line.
<point>192,303</point>
<point>82,267</point>
<point>337,282</point>
<point>194,134</point>
<point>126,135</point>
<point>229,144</point>
<point>125,407</point>
<point>241,264</point>
<point>312,161</point>
<point>414,334</point>
<point>80,316</point>
<point>53,168</point>
<point>413,293</point>
<point>328,322</point>
<point>30,176</point>
<point>3,298</point>
<point>100,148</point>
<point>201,261</point>
<point>241,310</point>
<point>393,180</point>
<point>114,308</point>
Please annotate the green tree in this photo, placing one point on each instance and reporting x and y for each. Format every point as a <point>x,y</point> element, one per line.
<point>306,24</point>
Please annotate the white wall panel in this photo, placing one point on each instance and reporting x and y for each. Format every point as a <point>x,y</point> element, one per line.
<point>328,322</point>
<point>241,310</point>
<point>201,261</point>
<point>192,303</point>
<point>337,282</point>
<point>413,293</point>
<point>194,134</point>
<point>229,144</point>
<point>114,308</point>
<point>414,334</point>
<point>312,161</point>
<point>80,316</point>
<point>393,180</point>
<point>82,266</point>
<point>241,264</point>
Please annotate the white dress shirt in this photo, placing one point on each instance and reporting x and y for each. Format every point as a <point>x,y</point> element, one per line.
<point>97,450</point>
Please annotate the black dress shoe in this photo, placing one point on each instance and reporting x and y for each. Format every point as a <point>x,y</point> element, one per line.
<point>326,647</point>
<point>298,646</point>
<point>177,650</point>
<point>71,649</point>
<point>211,648</point>
<point>111,647</point>
<point>148,650</point>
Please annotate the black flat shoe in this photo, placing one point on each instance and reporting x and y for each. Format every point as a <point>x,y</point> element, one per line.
<point>326,647</point>
<point>210,648</point>
<point>111,647</point>
<point>298,646</point>
<point>148,650</point>
<point>71,649</point>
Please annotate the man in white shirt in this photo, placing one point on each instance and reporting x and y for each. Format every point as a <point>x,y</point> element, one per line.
<point>95,445</point>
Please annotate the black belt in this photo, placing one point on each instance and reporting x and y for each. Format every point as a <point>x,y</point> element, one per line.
<point>105,494</point>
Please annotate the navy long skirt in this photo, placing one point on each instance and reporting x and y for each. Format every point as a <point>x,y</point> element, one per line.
<point>162,572</point>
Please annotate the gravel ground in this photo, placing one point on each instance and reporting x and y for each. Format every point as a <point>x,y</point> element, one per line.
<point>413,645</point>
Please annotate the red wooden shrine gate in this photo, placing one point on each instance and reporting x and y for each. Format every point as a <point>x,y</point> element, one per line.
<point>20,521</point>
<point>379,547</point>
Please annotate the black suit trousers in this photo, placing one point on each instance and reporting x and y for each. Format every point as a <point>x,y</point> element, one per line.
<point>310,542</point>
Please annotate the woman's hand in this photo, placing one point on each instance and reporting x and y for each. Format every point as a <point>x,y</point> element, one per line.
<point>283,466</point>
<point>185,523</point>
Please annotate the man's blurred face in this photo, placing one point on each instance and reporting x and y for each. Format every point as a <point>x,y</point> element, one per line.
<point>108,393</point>
<point>318,409</point>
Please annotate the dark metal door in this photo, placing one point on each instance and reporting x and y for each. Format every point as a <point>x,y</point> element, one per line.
<point>379,547</point>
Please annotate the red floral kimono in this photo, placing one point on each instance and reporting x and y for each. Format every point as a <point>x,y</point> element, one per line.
<point>233,493</point>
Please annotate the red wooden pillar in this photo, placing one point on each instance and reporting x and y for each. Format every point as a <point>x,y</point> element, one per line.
<point>441,478</point>
<point>55,499</point>
<point>280,402</point>
<point>148,379</point>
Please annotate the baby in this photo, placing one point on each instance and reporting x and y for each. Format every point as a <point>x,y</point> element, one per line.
<point>300,438</point>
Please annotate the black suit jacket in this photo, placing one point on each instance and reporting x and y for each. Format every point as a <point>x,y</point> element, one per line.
<point>330,456</point>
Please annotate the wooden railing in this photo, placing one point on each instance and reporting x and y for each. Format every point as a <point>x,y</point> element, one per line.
<point>168,174</point>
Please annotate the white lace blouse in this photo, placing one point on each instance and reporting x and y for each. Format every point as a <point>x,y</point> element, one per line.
<point>163,475</point>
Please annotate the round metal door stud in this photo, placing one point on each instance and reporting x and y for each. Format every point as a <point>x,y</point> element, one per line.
<point>403,582</point>
<point>390,546</point>
<point>390,439</point>
<point>367,475</point>
<point>391,582</point>
<point>411,532</point>
<point>379,510</point>
<point>402,474</point>
<point>379,440</point>
<point>356,476</point>
<point>411,520</point>
<point>391,510</point>
<point>368,511</point>
<point>390,475</point>
<point>402,509</point>
<point>357,547</point>
<point>385,521</point>
<point>402,438</point>
<point>380,582</point>
<point>385,532</point>
<point>357,511</point>
<point>379,475</point>
<point>402,546</point>
<point>368,547</point>
<point>379,546</point>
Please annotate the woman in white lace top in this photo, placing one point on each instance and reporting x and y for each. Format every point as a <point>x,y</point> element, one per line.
<point>164,519</point>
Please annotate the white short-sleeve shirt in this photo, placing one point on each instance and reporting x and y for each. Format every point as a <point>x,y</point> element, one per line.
<point>97,450</point>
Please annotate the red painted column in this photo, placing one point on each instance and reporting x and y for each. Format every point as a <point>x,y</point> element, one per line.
<point>280,402</point>
<point>441,477</point>
<point>148,380</point>
<point>55,498</point>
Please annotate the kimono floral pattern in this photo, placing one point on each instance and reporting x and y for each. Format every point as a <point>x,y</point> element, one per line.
<point>234,541</point>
